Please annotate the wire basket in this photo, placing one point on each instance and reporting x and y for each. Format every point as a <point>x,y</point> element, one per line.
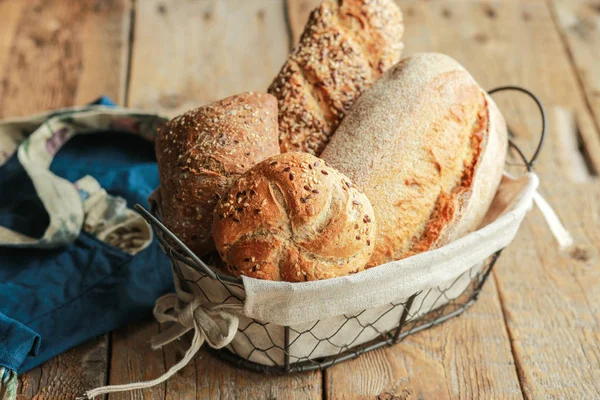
<point>272,348</point>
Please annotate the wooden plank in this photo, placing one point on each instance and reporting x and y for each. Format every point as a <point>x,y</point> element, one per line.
<point>49,66</point>
<point>186,54</point>
<point>579,24</point>
<point>205,51</point>
<point>55,54</point>
<point>468,357</point>
<point>548,298</point>
<point>68,375</point>
<point>213,378</point>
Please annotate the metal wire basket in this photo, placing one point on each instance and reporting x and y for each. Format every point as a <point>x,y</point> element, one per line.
<point>282,349</point>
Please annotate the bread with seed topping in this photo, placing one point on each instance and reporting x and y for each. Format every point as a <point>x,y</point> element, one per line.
<point>293,218</point>
<point>427,145</point>
<point>346,45</point>
<point>202,151</point>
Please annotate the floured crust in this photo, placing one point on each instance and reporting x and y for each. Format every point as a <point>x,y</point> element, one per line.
<point>199,154</point>
<point>427,146</point>
<point>293,218</point>
<point>343,49</point>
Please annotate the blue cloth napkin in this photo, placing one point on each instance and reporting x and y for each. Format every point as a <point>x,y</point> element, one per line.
<point>54,299</point>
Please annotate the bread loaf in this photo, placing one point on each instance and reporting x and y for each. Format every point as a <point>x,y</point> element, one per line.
<point>199,154</point>
<point>293,218</point>
<point>427,145</point>
<point>345,46</point>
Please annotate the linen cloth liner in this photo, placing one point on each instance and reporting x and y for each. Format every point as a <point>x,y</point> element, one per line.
<point>82,217</point>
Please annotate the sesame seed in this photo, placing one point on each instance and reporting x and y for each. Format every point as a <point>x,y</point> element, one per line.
<point>306,187</point>
<point>356,203</point>
<point>368,242</point>
<point>287,169</point>
<point>324,172</point>
<point>315,191</point>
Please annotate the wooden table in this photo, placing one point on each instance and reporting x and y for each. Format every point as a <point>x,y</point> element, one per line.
<point>534,333</point>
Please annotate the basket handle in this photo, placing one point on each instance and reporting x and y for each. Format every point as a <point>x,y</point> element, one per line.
<point>528,162</point>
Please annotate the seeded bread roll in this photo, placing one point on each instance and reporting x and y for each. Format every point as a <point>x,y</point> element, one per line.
<point>427,145</point>
<point>202,151</point>
<point>293,218</point>
<point>346,45</point>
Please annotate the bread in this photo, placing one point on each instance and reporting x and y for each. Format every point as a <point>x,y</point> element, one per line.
<point>345,46</point>
<point>427,145</point>
<point>202,151</point>
<point>293,218</point>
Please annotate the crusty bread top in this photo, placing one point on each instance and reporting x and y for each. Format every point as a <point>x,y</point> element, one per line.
<point>343,49</point>
<point>201,151</point>
<point>293,218</point>
<point>412,142</point>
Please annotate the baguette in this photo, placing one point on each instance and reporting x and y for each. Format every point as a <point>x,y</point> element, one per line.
<point>427,145</point>
<point>345,46</point>
<point>202,151</point>
<point>293,218</point>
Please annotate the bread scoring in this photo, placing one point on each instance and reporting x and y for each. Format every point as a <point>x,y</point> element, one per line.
<point>294,218</point>
<point>427,145</point>
<point>345,47</point>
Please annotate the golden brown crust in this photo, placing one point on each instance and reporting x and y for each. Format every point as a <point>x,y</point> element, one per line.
<point>199,154</point>
<point>426,145</point>
<point>343,49</point>
<point>293,218</point>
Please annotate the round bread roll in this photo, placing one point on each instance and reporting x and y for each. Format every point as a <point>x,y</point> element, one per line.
<point>427,145</point>
<point>202,151</point>
<point>293,218</point>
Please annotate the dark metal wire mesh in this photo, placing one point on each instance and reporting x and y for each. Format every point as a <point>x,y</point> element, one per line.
<point>271,348</point>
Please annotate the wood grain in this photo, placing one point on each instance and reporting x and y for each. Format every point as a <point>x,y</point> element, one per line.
<point>579,25</point>
<point>204,51</point>
<point>55,54</point>
<point>215,379</point>
<point>62,53</point>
